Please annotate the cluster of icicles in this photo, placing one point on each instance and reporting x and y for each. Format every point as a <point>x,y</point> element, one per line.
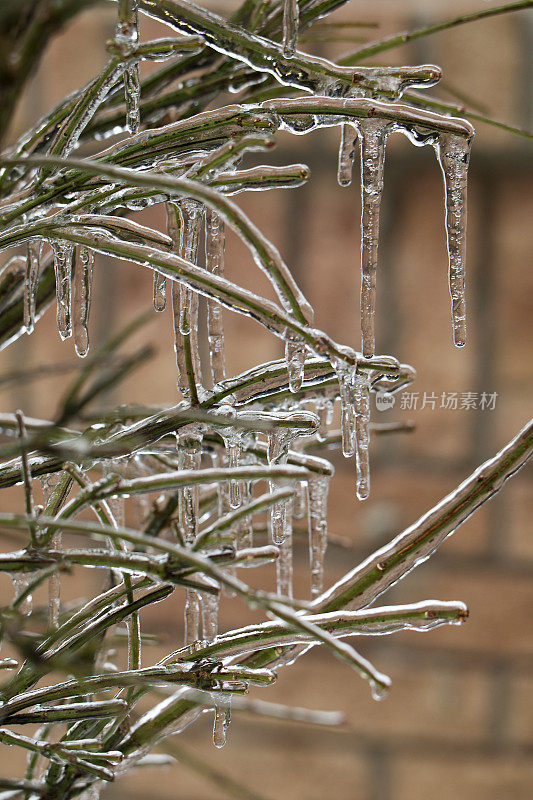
<point>188,221</point>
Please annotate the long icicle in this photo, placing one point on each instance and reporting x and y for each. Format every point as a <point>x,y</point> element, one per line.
<point>215,238</point>
<point>372,138</point>
<point>127,36</point>
<point>63,253</point>
<point>317,487</point>
<point>362,437</point>
<point>453,153</point>
<point>83,278</point>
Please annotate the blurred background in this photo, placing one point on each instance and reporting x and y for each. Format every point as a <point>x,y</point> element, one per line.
<point>458,722</point>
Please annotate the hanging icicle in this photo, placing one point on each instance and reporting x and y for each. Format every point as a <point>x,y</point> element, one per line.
<point>127,36</point>
<point>83,277</point>
<point>284,560</point>
<point>63,254</point>
<point>453,153</point>
<point>189,458</point>
<point>372,139</point>
<point>191,222</point>
<point>215,239</point>
<point>295,359</point>
<point>291,13</point>
<point>346,154</point>
<point>318,487</point>
<point>30,286</point>
<point>362,437</point>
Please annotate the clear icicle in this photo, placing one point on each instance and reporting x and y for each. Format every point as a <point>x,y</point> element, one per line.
<point>192,617</point>
<point>127,35</point>
<point>63,271</point>
<point>191,221</point>
<point>295,357</point>
<point>454,153</point>
<point>189,457</point>
<point>221,721</point>
<point>132,88</point>
<point>284,560</point>
<point>318,487</point>
<point>324,409</point>
<point>372,138</point>
<point>83,278</point>
<point>362,438</point>
<point>54,586</point>
<point>20,582</point>
<point>215,240</point>
<point>346,154</point>
<point>290,27</point>
<point>30,286</point>
<point>210,603</point>
<point>345,375</point>
<point>233,442</point>
<point>300,501</point>
<point>160,291</point>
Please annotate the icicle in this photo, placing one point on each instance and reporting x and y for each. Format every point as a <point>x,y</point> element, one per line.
<point>191,220</point>
<point>362,439</point>
<point>30,286</point>
<point>20,582</point>
<point>221,721</point>
<point>54,586</point>
<point>215,239</point>
<point>83,277</point>
<point>345,375</point>
<point>295,358</point>
<point>210,603</point>
<point>284,560</point>
<point>290,27</point>
<point>324,409</point>
<point>63,271</point>
<point>318,487</point>
<point>127,36</point>
<point>234,449</point>
<point>189,457</point>
<point>372,138</point>
<point>346,154</point>
<point>160,291</point>
<point>192,617</point>
<point>244,528</point>
<point>454,153</point>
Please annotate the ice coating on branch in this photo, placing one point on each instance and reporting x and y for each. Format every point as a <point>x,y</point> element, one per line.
<point>83,277</point>
<point>291,14</point>
<point>63,253</point>
<point>318,487</point>
<point>372,139</point>
<point>295,352</point>
<point>32,273</point>
<point>453,153</point>
<point>215,239</point>
<point>346,154</point>
<point>362,438</point>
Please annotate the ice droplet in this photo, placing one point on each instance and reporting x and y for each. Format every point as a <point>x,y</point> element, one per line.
<point>318,487</point>
<point>453,153</point>
<point>215,239</point>
<point>83,277</point>
<point>346,154</point>
<point>372,139</point>
<point>63,254</point>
